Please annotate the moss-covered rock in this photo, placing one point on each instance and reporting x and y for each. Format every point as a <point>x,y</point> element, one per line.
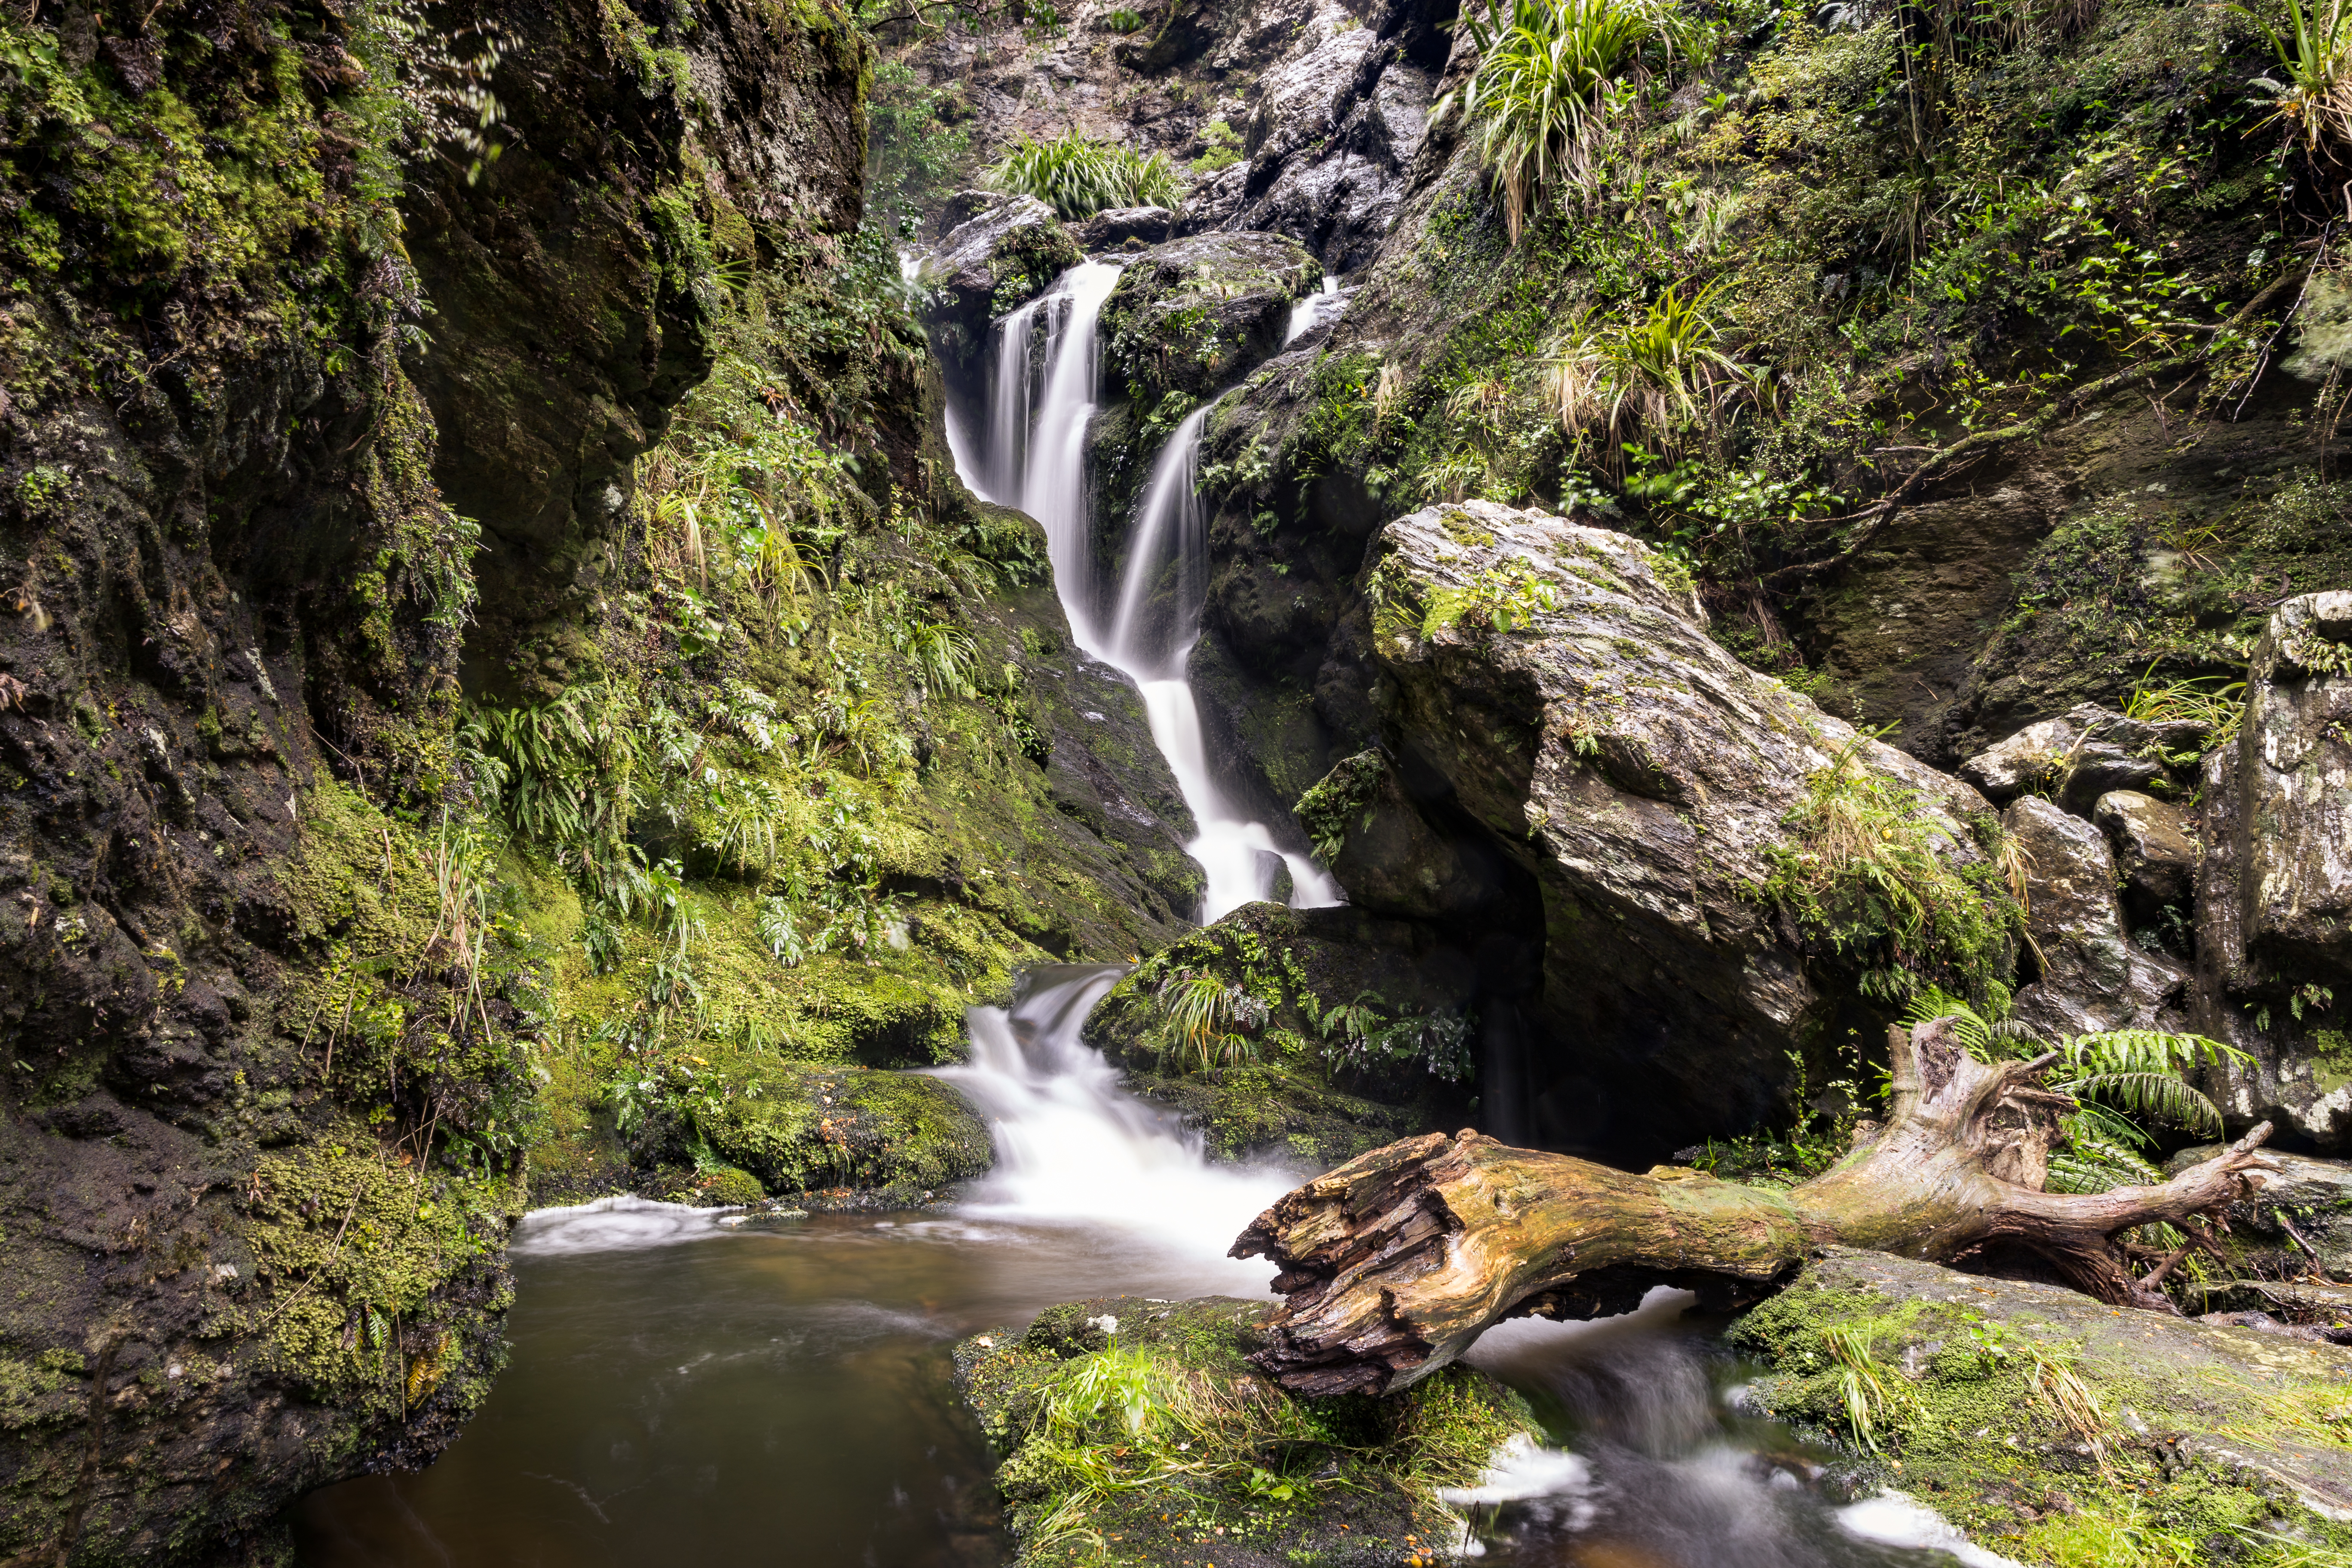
<point>1305,1036</point>
<point>1133,1431</point>
<point>811,1130</point>
<point>2045,1423</point>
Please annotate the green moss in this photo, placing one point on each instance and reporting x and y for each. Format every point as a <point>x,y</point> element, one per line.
<point>1136,1432</point>
<point>1992,1403</point>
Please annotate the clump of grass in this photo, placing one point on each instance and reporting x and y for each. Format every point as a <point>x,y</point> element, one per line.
<point>1077,177</point>
<point>1668,369</point>
<point>2210,699</point>
<point>1871,867</point>
<point>1538,90</point>
<point>2314,56</point>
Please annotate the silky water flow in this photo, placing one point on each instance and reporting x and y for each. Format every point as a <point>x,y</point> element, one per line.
<point>690,1386</point>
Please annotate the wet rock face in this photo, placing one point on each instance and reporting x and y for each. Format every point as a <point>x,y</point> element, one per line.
<point>1002,253</point>
<point>1191,315</point>
<point>2093,975</point>
<point>1641,774</point>
<point>1334,128</point>
<point>1320,106</point>
<point>2274,888</point>
<point>1117,228</point>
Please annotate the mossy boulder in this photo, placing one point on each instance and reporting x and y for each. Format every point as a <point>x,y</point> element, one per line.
<point>812,1131</point>
<point>1192,315</point>
<point>1551,691</point>
<point>2043,1421</point>
<point>1133,1431</point>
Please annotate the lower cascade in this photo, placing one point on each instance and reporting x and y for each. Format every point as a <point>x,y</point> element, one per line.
<point>1035,459</point>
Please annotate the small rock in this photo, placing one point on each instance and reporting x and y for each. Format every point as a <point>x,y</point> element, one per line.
<point>2083,754</point>
<point>1110,229</point>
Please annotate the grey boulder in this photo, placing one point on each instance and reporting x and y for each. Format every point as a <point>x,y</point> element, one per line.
<point>2093,977</point>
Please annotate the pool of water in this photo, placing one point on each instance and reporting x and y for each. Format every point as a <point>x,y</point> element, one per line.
<point>684,1389</point>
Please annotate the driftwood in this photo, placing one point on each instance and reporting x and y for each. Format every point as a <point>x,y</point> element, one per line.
<point>1394,1263</point>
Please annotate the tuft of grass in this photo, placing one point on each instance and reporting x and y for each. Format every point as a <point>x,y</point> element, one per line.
<point>1667,369</point>
<point>2314,56</point>
<point>1538,91</point>
<point>1077,177</point>
<point>2210,699</point>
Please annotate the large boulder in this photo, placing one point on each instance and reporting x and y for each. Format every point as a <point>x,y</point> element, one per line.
<point>1641,776</point>
<point>2274,889</point>
<point>1003,252</point>
<point>2093,977</point>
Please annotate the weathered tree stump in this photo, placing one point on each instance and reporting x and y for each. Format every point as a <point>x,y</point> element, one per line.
<point>1394,1263</point>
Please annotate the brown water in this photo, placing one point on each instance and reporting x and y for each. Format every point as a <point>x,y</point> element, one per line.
<point>777,1396</point>
<point>682,1391</point>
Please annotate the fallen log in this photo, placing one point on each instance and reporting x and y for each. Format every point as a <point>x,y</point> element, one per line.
<point>1393,1265</point>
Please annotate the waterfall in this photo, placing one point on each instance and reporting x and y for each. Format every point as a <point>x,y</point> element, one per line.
<point>1317,308</point>
<point>1073,1147</point>
<point>1035,459</point>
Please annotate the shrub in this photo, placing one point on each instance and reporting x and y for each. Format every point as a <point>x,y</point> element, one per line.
<point>1078,178</point>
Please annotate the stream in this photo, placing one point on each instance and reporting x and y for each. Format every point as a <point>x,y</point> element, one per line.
<point>688,1385</point>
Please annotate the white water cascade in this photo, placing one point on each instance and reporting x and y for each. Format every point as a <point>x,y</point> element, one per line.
<point>1035,459</point>
<point>1072,1147</point>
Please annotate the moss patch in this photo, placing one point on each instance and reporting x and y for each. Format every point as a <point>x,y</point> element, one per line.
<point>2043,1422</point>
<point>1133,1431</point>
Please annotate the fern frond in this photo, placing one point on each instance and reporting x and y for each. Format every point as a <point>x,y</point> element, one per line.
<point>2161,1095</point>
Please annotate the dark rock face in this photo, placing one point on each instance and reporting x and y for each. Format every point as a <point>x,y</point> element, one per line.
<point>561,336</point>
<point>1125,228</point>
<point>236,569</point>
<point>2274,889</point>
<point>1191,315</point>
<point>2092,976</point>
<point>1640,775</point>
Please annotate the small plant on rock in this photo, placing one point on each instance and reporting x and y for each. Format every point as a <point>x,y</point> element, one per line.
<point>1078,178</point>
<point>1538,91</point>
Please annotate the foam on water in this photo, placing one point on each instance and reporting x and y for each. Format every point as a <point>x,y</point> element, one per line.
<point>611,1224</point>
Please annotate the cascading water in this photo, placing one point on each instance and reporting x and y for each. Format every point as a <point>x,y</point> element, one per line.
<point>1035,459</point>
<point>1072,1146</point>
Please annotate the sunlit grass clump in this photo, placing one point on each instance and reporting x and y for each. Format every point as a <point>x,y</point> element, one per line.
<point>1078,178</point>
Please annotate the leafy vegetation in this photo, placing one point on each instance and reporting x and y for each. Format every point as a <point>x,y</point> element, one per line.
<point>1077,177</point>
<point>1540,83</point>
<point>1129,1424</point>
<point>1877,872</point>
